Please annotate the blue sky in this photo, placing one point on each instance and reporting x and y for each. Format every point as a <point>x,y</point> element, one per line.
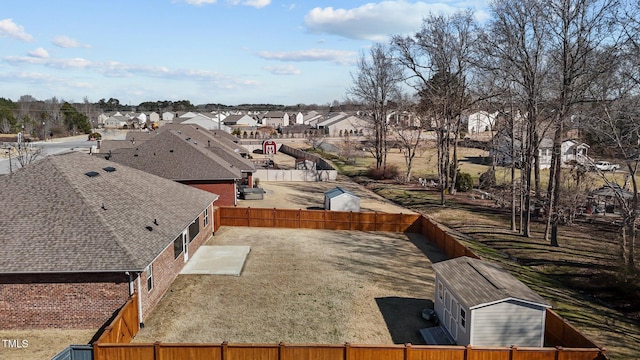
<point>205,51</point>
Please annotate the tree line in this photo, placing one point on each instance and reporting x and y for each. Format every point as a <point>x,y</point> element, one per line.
<point>544,66</point>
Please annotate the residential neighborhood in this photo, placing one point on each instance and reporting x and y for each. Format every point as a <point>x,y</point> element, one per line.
<point>327,180</point>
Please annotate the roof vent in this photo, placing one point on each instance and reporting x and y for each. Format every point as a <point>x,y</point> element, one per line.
<point>92,173</point>
<point>171,150</point>
<point>149,228</point>
<point>109,169</point>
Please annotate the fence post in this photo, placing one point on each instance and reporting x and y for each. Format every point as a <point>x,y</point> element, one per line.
<point>280,350</point>
<point>299,218</point>
<point>512,352</point>
<point>558,351</point>
<point>347,350</point>
<point>223,350</point>
<point>273,218</point>
<point>467,352</point>
<point>249,216</point>
<point>407,351</point>
<point>156,350</point>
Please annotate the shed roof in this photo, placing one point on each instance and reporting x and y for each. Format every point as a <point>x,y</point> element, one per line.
<point>59,217</point>
<point>476,283</point>
<point>337,191</point>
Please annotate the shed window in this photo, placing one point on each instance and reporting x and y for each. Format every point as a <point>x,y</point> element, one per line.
<point>463,318</point>
<point>177,247</point>
<point>440,291</point>
<point>206,216</point>
<point>149,271</point>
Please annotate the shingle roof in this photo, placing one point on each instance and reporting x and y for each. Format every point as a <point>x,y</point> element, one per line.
<point>55,218</point>
<point>170,155</point>
<point>337,191</point>
<point>475,282</point>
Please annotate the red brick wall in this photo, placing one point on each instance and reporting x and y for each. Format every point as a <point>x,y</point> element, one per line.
<point>68,301</point>
<point>226,191</point>
<point>166,268</point>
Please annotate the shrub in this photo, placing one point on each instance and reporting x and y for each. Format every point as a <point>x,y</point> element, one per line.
<point>95,136</point>
<point>488,179</point>
<point>464,182</point>
<point>390,172</point>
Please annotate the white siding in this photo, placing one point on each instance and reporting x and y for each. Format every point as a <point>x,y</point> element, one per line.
<point>508,323</point>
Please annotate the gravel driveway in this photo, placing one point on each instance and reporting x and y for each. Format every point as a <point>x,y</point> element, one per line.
<point>304,286</point>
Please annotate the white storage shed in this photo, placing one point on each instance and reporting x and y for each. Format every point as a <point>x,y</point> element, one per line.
<point>479,303</point>
<point>339,199</point>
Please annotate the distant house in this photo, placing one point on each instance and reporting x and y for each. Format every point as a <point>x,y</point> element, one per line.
<point>205,122</point>
<point>116,122</point>
<point>240,121</point>
<point>343,124</point>
<point>85,233</point>
<point>275,119</point>
<point>176,156</point>
<point>479,303</point>
<point>168,116</point>
<point>339,199</point>
<point>480,121</point>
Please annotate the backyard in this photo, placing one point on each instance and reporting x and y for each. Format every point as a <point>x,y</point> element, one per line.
<point>304,286</point>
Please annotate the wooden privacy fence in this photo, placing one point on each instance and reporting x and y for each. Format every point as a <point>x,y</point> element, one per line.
<point>124,326</point>
<point>225,351</point>
<point>559,331</point>
<point>319,219</point>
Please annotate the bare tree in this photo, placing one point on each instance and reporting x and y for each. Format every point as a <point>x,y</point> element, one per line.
<point>517,41</point>
<point>579,29</point>
<point>27,154</point>
<point>376,84</point>
<point>438,61</point>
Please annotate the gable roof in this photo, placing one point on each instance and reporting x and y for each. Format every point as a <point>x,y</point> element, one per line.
<point>175,156</point>
<point>338,191</point>
<point>476,283</point>
<point>57,219</point>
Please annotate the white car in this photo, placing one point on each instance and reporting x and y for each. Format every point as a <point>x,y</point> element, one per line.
<point>606,166</point>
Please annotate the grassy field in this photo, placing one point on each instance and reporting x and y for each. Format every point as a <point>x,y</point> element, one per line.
<point>581,277</point>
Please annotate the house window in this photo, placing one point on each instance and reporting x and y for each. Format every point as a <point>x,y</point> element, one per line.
<point>177,247</point>
<point>440,290</point>
<point>463,318</point>
<point>149,271</point>
<point>194,229</point>
<point>206,216</point>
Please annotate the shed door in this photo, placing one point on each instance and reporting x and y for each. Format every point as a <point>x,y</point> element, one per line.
<point>450,313</point>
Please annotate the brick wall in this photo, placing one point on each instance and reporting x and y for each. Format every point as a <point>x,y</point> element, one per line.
<point>166,267</point>
<point>68,301</point>
<point>226,191</point>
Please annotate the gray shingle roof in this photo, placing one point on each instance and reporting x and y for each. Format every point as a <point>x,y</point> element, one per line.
<point>475,282</point>
<point>54,218</point>
<point>170,155</point>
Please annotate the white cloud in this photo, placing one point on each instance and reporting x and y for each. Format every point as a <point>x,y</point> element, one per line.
<point>67,42</point>
<point>255,3</point>
<point>39,53</point>
<point>283,70</point>
<point>375,21</point>
<point>199,2</point>
<point>12,30</point>
<point>337,56</point>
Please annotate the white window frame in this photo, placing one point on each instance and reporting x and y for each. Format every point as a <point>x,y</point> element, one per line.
<point>463,319</point>
<point>149,271</point>
<point>206,216</point>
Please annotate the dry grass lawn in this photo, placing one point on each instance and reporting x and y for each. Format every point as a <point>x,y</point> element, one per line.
<point>42,344</point>
<point>304,286</point>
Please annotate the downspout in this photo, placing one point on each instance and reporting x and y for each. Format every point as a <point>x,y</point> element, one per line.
<point>130,282</point>
<point>140,302</point>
